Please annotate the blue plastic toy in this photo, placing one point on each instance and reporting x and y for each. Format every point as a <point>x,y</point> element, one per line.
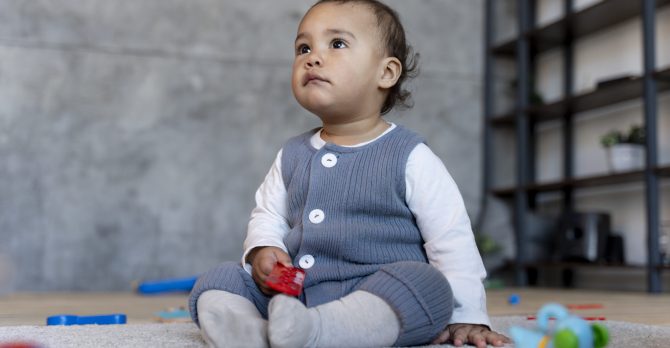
<point>514,299</point>
<point>69,319</point>
<point>167,285</point>
<point>569,331</point>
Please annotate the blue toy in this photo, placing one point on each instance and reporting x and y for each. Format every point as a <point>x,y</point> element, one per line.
<point>569,331</point>
<point>514,299</point>
<point>167,285</point>
<point>68,319</point>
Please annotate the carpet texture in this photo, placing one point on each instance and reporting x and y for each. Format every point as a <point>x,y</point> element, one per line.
<point>623,334</point>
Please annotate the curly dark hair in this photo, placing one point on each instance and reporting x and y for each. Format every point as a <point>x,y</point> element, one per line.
<point>393,36</point>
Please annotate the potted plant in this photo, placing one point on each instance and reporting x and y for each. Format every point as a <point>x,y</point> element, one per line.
<point>625,151</point>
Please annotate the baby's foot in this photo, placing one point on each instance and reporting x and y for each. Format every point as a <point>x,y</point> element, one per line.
<point>230,320</point>
<point>291,324</point>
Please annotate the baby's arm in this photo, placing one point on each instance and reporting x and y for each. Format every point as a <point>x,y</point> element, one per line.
<point>268,225</point>
<point>436,202</point>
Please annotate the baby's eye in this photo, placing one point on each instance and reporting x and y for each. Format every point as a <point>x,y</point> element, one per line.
<point>302,49</point>
<point>337,43</point>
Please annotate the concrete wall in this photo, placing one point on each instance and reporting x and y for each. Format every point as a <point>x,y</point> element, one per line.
<point>133,134</point>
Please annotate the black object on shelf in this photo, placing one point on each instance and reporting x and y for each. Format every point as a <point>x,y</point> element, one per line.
<point>582,237</point>
<point>615,252</point>
<point>615,81</point>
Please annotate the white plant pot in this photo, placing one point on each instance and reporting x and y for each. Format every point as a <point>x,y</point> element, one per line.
<point>625,157</point>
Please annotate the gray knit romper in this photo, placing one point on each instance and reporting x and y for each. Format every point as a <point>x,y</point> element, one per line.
<point>350,229</point>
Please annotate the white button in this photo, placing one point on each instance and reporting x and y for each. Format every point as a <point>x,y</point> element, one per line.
<point>316,216</point>
<point>329,160</point>
<point>306,262</point>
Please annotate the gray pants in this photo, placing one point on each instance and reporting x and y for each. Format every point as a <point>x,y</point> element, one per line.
<point>419,294</point>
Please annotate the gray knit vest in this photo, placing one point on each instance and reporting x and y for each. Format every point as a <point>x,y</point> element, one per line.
<point>347,210</point>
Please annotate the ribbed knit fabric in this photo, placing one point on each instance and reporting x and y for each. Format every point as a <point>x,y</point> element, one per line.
<point>420,295</point>
<point>363,237</point>
<point>366,222</point>
<point>230,277</point>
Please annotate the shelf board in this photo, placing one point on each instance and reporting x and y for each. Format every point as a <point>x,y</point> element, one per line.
<point>574,264</point>
<point>663,76</point>
<point>584,182</point>
<point>624,90</point>
<point>591,265</point>
<point>506,192</point>
<point>627,89</point>
<point>578,24</point>
<point>503,120</point>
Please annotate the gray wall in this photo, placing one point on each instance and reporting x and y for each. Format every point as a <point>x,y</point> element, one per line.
<point>133,134</point>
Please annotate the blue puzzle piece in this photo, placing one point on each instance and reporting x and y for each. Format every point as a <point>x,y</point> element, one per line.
<point>69,319</point>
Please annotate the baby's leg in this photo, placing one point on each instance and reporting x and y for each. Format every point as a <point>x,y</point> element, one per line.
<point>229,308</point>
<point>420,296</point>
<point>228,320</point>
<point>405,303</point>
<point>359,319</point>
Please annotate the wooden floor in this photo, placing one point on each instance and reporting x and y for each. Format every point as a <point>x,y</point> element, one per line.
<point>33,309</point>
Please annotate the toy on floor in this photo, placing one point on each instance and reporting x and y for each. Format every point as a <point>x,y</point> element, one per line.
<point>69,319</point>
<point>287,280</point>
<point>569,331</point>
<point>166,285</point>
<point>19,344</point>
<point>174,315</point>
<point>514,299</point>
<point>532,317</point>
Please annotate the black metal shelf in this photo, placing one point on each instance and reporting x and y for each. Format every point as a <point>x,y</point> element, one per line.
<point>524,49</point>
<point>624,90</point>
<point>575,25</point>
<point>588,265</point>
<point>584,182</point>
<point>569,264</point>
<point>664,75</point>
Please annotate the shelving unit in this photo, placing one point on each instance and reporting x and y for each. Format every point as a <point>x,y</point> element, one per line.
<point>573,25</point>
<point>523,119</point>
<point>584,182</point>
<point>630,88</point>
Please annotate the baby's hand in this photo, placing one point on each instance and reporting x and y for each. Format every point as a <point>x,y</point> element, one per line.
<point>262,261</point>
<point>478,335</point>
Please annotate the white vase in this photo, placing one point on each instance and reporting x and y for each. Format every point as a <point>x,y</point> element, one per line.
<point>625,157</point>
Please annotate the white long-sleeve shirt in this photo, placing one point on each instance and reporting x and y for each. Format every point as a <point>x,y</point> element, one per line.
<point>437,205</point>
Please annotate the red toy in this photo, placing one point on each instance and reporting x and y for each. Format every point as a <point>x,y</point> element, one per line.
<point>284,279</point>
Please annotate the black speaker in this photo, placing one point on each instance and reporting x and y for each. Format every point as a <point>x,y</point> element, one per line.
<point>583,237</point>
<point>615,250</point>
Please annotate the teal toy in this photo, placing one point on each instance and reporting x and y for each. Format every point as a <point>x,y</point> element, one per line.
<point>569,331</point>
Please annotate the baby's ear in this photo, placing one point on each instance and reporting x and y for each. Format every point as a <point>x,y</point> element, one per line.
<point>390,73</point>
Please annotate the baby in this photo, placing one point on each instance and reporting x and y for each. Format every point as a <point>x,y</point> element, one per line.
<point>362,205</point>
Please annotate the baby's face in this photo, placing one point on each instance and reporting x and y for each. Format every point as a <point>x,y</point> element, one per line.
<point>338,61</point>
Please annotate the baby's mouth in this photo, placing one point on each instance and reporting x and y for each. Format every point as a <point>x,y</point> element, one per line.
<point>313,78</point>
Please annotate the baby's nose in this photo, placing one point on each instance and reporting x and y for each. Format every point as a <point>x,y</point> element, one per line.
<point>314,60</point>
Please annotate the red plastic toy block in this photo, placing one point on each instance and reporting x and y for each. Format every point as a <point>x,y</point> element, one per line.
<point>287,280</point>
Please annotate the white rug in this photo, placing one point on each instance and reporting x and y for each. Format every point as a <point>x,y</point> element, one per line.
<point>623,335</point>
